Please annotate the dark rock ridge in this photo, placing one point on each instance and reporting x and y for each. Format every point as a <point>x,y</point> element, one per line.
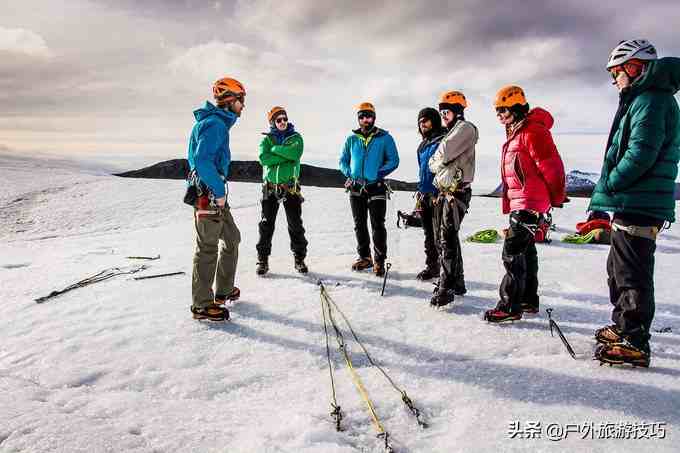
<point>251,171</point>
<point>579,184</point>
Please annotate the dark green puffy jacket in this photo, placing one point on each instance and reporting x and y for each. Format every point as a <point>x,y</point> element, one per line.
<point>641,162</point>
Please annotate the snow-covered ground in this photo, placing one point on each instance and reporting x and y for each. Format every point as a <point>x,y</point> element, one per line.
<point>121,366</point>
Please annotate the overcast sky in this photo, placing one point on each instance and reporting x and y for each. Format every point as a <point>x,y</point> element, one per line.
<point>113,79</point>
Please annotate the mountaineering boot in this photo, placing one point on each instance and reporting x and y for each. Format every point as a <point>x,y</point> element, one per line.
<point>300,265</point>
<point>211,313</point>
<point>442,297</point>
<point>529,309</point>
<point>427,274</point>
<point>221,299</point>
<point>497,316</point>
<point>379,268</point>
<point>608,335</point>
<point>623,352</point>
<point>459,290</point>
<point>362,263</point>
<point>262,266</point>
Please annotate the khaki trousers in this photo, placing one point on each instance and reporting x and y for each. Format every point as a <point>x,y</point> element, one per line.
<point>215,256</point>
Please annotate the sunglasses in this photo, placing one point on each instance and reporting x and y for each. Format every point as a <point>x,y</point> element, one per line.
<point>365,115</point>
<point>502,110</point>
<point>281,119</point>
<point>445,112</point>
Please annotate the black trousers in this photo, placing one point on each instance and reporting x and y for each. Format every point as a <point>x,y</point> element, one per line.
<point>448,216</point>
<point>630,271</point>
<point>270,208</point>
<point>520,283</point>
<point>372,200</point>
<point>429,227</point>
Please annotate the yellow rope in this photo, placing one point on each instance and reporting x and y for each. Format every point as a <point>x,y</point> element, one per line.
<point>355,377</point>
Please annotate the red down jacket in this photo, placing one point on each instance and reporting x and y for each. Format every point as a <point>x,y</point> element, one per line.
<point>531,168</point>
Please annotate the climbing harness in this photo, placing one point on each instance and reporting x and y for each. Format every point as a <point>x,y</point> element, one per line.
<point>484,237</point>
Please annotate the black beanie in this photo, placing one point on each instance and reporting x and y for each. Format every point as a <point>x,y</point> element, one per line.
<point>455,108</point>
<point>432,115</point>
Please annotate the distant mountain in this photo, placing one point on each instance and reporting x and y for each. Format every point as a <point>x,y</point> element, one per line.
<point>251,171</point>
<point>580,184</point>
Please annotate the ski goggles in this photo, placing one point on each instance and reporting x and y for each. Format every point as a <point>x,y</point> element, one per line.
<point>364,115</point>
<point>631,68</point>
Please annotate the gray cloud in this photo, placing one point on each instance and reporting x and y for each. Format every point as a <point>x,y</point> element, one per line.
<point>125,71</point>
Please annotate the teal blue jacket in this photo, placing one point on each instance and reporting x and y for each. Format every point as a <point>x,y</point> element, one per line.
<point>369,159</point>
<point>209,152</point>
<point>641,160</point>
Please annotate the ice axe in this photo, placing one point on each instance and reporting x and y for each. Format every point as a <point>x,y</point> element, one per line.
<point>387,270</point>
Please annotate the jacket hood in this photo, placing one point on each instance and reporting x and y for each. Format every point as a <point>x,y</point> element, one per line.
<point>436,120</point>
<point>662,74</point>
<point>540,116</point>
<point>376,130</point>
<point>209,109</point>
<point>279,136</point>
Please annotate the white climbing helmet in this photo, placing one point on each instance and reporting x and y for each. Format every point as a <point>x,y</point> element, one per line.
<point>640,49</point>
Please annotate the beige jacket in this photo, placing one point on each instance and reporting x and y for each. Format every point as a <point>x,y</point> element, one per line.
<point>453,164</point>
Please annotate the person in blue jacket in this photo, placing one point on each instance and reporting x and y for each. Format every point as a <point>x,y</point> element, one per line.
<point>369,155</point>
<point>431,130</point>
<point>217,236</point>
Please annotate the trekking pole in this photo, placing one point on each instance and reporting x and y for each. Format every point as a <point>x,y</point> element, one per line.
<point>144,277</point>
<point>387,270</point>
<point>552,324</point>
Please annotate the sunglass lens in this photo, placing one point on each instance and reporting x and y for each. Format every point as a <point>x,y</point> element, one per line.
<point>282,119</point>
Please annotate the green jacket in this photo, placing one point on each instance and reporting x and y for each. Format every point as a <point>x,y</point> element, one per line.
<point>641,162</point>
<point>281,163</point>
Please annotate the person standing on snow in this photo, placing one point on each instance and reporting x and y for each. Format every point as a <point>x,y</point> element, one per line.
<point>217,236</point>
<point>453,166</point>
<point>280,153</point>
<point>432,132</point>
<point>368,156</point>
<point>533,181</point>
<point>637,184</point>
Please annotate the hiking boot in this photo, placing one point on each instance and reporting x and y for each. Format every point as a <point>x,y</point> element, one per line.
<point>608,335</point>
<point>362,264</point>
<point>459,290</point>
<point>497,316</point>
<point>622,352</point>
<point>379,268</point>
<point>300,265</point>
<point>427,274</point>
<point>442,297</point>
<point>262,267</point>
<point>234,295</point>
<point>211,313</point>
<point>529,309</point>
